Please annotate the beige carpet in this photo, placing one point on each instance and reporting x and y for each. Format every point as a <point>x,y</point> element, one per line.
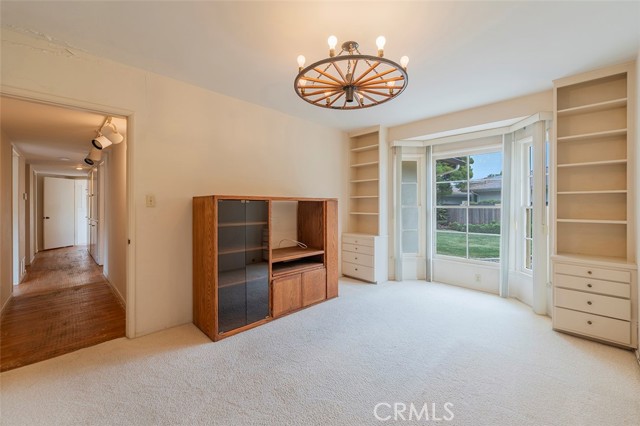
<point>493,359</point>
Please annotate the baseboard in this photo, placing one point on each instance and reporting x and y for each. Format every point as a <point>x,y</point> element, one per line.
<point>6,304</point>
<point>637,352</point>
<point>115,291</point>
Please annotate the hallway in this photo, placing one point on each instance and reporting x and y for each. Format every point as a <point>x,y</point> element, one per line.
<point>63,304</point>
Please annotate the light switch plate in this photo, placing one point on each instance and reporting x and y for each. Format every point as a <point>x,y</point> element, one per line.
<point>150,200</point>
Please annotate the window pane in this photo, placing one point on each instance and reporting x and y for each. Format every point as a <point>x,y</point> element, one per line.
<point>451,220</point>
<point>484,247</point>
<point>484,221</point>
<point>410,242</point>
<point>528,223</point>
<point>409,171</point>
<point>451,169</point>
<point>451,243</point>
<point>451,194</point>
<point>409,194</point>
<point>528,260</point>
<point>409,218</point>
<point>486,178</point>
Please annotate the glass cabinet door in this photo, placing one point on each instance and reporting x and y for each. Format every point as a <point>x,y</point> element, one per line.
<point>243,271</point>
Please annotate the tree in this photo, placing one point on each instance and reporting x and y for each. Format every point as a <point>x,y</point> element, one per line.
<point>451,170</point>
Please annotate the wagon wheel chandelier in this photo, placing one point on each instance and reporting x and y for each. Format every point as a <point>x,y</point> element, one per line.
<point>351,80</point>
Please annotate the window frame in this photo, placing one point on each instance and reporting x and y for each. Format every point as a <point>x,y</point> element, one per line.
<point>493,148</point>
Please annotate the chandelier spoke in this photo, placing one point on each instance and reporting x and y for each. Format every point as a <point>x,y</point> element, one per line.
<point>344,80</point>
<point>375,92</point>
<point>327,82</point>
<point>377,76</point>
<point>383,80</point>
<point>369,97</point>
<point>367,72</point>
<point>337,97</point>
<point>328,76</point>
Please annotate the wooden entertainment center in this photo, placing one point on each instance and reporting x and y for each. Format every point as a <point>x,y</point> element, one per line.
<point>243,277</point>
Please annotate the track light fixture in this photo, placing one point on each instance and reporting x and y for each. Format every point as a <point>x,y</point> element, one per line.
<point>93,157</point>
<point>110,131</point>
<point>101,142</point>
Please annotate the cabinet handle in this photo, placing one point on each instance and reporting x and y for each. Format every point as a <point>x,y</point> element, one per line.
<point>356,269</point>
<point>589,322</point>
<point>356,257</point>
<point>589,285</point>
<point>589,302</point>
<point>589,272</point>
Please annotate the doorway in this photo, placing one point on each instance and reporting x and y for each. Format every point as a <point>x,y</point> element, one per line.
<point>53,141</point>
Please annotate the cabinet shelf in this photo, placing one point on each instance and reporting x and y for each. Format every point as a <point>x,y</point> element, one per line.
<point>242,275</point>
<point>595,107</point>
<point>232,224</point>
<point>594,135</point>
<point>594,221</point>
<point>364,213</point>
<point>365,148</point>
<point>610,191</point>
<point>370,163</point>
<point>291,253</point>
<point>593,163</point>
<point>241,250</point>
<point>363,180</point>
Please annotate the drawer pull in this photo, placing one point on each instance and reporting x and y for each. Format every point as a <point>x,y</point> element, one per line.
<point>589,285</point>
<point>589,322</point>
<point>356,269</point>
<point>356,257</point>
<point>589,302</point>
<point>589,272</point>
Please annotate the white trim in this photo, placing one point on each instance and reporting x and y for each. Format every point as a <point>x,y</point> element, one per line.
<point>117,294</point>
<point>461,135</point>
<point>41,97</point>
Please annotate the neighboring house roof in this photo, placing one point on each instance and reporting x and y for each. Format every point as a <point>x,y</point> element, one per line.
<point>492,184</point>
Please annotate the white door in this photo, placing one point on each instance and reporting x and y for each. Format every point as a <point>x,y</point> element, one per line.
<point>82,215</point>
<point>59,212</point>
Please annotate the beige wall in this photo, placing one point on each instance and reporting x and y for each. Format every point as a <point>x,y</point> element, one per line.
<point>183,141</point>
<point>637,172</point>
<point>6,245</point>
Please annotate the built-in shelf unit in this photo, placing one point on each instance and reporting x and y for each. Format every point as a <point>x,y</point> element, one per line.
<point>367,197</point>
<point>594,206</point>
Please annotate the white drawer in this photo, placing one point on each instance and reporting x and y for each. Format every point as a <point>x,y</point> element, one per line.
<point>593,286</point>
<point>598,273</point>
<point>592,325</point>
<point>357,249</point>
<point>358,271</point>
<point>358,258</point>
<point>363,241</point>
<point>593,303</point>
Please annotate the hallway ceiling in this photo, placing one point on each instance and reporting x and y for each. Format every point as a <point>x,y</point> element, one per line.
<point>45,133</point>
<point>463,54</point>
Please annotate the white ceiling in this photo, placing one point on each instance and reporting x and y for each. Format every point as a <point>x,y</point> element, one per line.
<point>463,54</point>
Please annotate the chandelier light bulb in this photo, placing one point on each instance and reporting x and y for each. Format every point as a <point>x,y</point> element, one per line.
<point>302,84</point>
<point>333,41</point>
<point>380,42</point>
<point>404,61</point>
<point>301,61</point>
<point>391,85</point>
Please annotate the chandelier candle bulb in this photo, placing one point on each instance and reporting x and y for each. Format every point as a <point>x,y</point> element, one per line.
<point>301,61</point>
<point>333,41</point>
<point>404,61</point>
<point>380,42</point>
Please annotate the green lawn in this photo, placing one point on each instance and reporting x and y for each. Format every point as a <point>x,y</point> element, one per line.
<point>480,246</point>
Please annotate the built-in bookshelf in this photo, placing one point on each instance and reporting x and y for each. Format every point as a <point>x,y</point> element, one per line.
<point>594,270</point>
<point>367,199</point>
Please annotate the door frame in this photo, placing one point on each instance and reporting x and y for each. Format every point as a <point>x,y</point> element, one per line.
<point>130,115</point>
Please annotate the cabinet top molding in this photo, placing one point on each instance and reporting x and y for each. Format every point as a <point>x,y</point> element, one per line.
<point>259,198</point>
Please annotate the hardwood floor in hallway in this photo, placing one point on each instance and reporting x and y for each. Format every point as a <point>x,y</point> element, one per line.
<point>63,304</point>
